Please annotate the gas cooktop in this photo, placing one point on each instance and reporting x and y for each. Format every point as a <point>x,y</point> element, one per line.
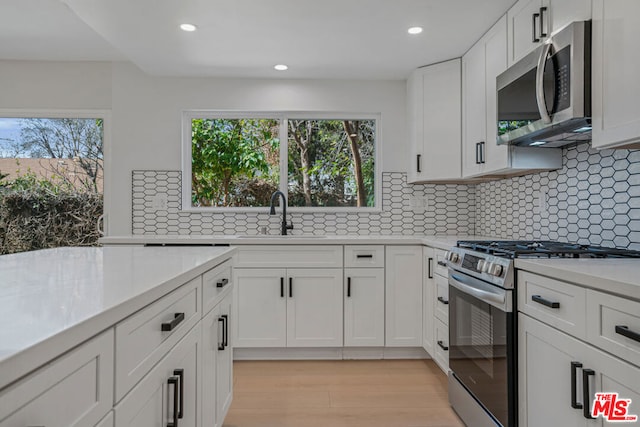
<point>543,249</point>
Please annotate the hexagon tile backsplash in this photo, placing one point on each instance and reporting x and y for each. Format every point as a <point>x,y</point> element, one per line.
<point>449,210</point>
<point>593,199</point>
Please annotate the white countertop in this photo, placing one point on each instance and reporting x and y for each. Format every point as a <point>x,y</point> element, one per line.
<point>612,275</point>
<point>441,242</point>
<point>52,300</point>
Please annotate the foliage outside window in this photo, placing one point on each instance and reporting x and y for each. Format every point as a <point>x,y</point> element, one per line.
<point>317,162</point>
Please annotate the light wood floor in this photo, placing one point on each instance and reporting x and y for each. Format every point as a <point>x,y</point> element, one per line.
<point>375,393</point>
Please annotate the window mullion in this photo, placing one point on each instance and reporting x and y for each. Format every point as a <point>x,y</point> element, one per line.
<point>284,156</point>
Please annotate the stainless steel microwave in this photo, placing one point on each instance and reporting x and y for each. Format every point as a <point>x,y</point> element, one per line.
<point>545,98</point>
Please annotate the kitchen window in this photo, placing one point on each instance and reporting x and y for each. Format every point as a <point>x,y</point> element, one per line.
<point>319,161</point>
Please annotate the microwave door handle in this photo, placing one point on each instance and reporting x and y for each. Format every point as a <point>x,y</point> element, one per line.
<point>542,104</point>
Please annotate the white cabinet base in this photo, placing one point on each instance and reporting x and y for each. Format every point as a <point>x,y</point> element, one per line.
<point>330,353</point>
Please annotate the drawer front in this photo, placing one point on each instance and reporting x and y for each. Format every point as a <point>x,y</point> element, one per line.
<point>441,263</point>
<point>441,301</point>
<point>364,256</point>
<point>289,256</point>
<point>214,284</point>
<point>74,390</point>
<point>554,302</point>
<point>613,325</point>
<point>441,345</point>
<point>140,340</point>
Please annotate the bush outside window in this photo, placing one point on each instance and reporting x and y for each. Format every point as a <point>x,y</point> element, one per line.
<point>238,161</point>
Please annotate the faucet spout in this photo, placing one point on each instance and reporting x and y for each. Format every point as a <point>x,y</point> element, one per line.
<point>272,211</point>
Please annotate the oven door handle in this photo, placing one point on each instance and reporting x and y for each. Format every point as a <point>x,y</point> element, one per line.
<point>492,298</point>
<point>540,95</point>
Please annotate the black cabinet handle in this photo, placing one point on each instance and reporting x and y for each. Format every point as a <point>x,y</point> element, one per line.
<point>349,287</point>
<point>442,346</point>
<point>545,302</point>
<point>626,332</point>
<point>542,11</point>
<point>364,256</point>
<point>442,300</point>
<point>222,283</point>
<point>222,320</point>
<point>180,374</point>
<point>586,393</point>
<point>442,263</point>
<point>430,268</point>
<point>482,152</point>
<point>574,400</point>
<point>169,326</point>
<point>282,287</point>
<point>477,153</point>
<point>290,287</point>
<point>173,381</point>
<point>225,331</point>
<point>535,38</point>
<point>418,158</point>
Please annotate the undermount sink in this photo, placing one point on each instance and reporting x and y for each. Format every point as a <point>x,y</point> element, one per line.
<point>278,236</point>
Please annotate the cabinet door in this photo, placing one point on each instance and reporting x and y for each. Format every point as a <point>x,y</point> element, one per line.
<point>473,113</point>
<point>314,307</point>
<point>564,12</point>
<point>151,402</point>
<point>212,341</point>
<point>415,125</point>
<point>224,362</point>
<point>544,376</point>
<point>616,67</point>
<point>403,279</point>
<point>428,290</point>
<point>260,308</point>
<point>364,307</point>
<point>521,29</point>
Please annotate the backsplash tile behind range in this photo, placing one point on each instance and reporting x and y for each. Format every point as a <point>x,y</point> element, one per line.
<point>450,209</point>
<point>594,198</point>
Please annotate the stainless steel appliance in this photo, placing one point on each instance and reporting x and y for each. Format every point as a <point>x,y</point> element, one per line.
<point>545,98</point>
<point>482,323</point>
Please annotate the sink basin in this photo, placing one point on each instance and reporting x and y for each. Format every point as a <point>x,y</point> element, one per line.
<point>278,236</point>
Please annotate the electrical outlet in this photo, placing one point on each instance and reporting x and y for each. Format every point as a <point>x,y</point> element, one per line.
<point>543,202</point>
<point>159,202</point>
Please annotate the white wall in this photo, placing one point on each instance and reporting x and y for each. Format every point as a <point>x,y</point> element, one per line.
<point>147,118</point>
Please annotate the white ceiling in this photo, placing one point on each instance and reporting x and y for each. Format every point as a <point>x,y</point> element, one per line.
<point>362,39</point>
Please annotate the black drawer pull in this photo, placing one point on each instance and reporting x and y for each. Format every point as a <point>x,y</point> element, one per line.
<point>442,263</point>
<point>225,334</point>
<point>545,302</point>
<point>173,381</point>
<point>282,287</point>
<point>364,256</point>
<point>290,287</point>
<point>419,163</point>
<point>222,320</point>
<point>169,326</point>
<point>430,268</point>
<point>442,346</point>
<point>349,287</point>
<point>443,301</point>
<point>626,332</point>
<point>574,400</point>
<point>586,393</point>
<point>180,374</point>
<point>222,283</point>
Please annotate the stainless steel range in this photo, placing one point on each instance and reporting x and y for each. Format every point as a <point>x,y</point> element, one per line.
<point>482,323</point>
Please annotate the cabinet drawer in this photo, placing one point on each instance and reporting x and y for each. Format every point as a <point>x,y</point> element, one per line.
<point>441,263</point>
<point>74,390</point>
<point>613,324</point>
<point>364,256</point>
<point>140,340</point>
<point>289,256</point>
<point>556,303</point>
<point>441,301</point>
<point>214,283</point>
<point>441,345</point>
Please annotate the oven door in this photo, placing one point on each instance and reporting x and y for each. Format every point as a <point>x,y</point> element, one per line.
<point>482,343</point>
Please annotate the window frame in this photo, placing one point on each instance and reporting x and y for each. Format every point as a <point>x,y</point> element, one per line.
<point>283,116</point>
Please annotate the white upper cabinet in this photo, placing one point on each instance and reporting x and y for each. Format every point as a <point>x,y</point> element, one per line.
<point>434,113</point>
<point>530,22</point>
<point>616,67</point>
<point>473,109</point>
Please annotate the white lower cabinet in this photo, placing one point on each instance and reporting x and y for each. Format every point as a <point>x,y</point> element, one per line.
<point>441,346</point>
<point>428,292</point>
<point>168,393</point>
<point>364,307</point>
<point>403,305</point>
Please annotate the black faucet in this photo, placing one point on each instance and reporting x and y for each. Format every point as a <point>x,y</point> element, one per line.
<point>272,211</point>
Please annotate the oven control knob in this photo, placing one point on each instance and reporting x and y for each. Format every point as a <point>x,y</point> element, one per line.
<point>495,270</point>
<point>453,257</point>
<point>481,265</point>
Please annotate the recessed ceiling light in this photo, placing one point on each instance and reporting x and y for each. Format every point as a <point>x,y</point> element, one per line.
<point>187,27</point>
<point>414,30</point>
<point>281,67</point>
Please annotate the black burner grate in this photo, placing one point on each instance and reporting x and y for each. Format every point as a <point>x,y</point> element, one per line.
<point>544,249</point>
